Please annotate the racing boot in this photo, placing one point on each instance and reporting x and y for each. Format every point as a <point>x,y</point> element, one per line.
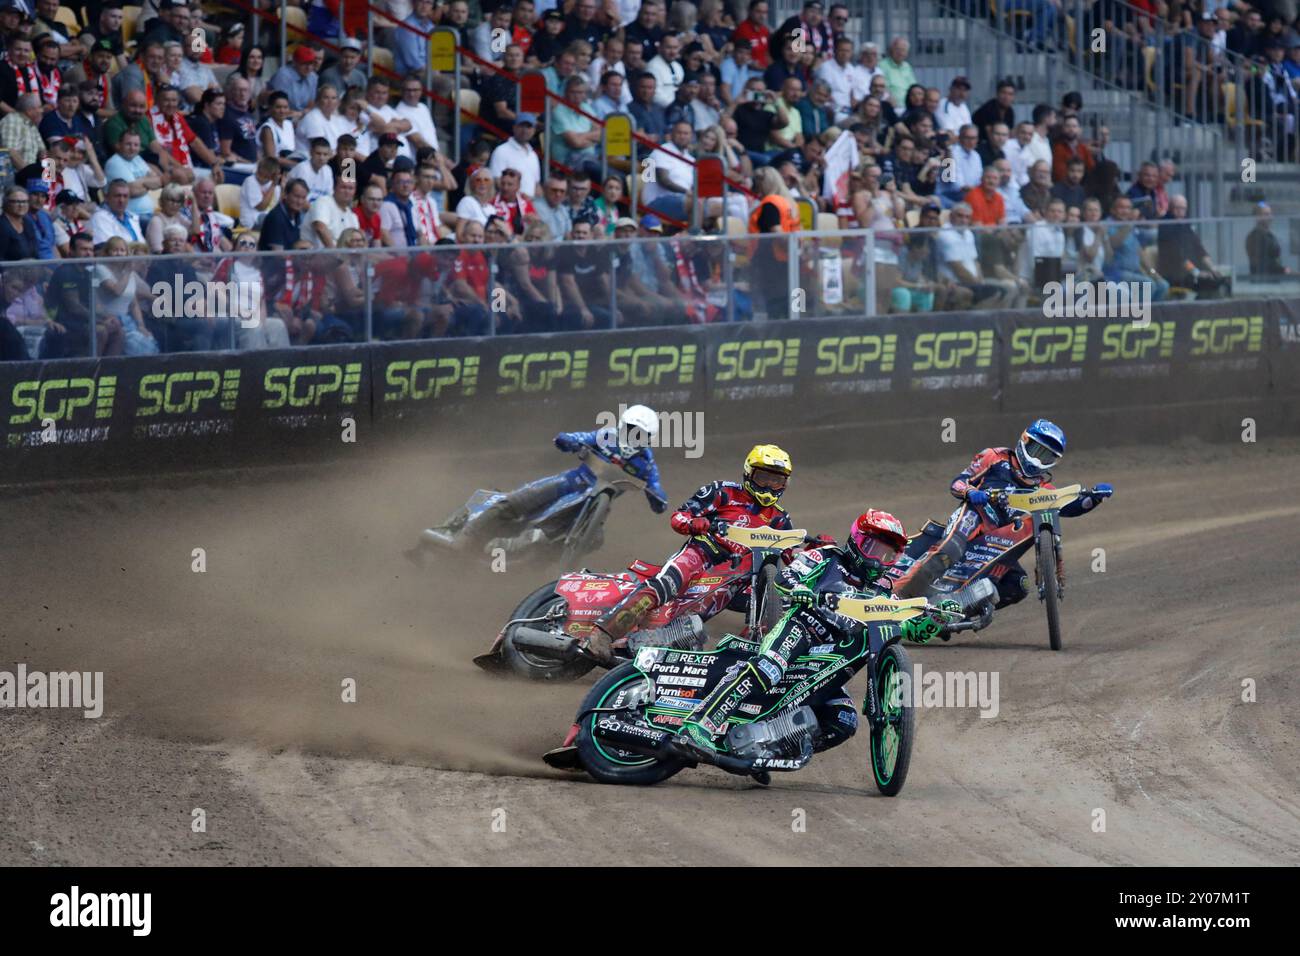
<point>616,623</point>
<point>480,527</point>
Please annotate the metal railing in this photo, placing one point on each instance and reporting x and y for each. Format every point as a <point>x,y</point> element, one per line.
<point>277,299</point>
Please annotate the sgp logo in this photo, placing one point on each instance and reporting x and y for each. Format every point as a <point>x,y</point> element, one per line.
<point>542,371</point>
<point>1222,336</point>
<point>427,378</point>
<point>1049,344</point>
<point>949,350</point>
<point>855,354</point>
<point>750,360</point>
<point>183,392</point>
<point>652,365</point>
<point>308,385</point>
<point>1124,340</point>
<point>60,398</point>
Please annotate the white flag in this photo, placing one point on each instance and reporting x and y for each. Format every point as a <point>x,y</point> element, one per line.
<point>841,159</point>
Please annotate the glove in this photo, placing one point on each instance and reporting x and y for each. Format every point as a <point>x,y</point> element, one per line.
<point>951,606</point>
<point>803,596</point>
<point>822,541</point>
<point>921,630</point>
<point>1103,490</point>
<point>565,443</point>
<point>699,525</point>
<point>657,506</point>
<point>719,527</point>
<point>977,498</point>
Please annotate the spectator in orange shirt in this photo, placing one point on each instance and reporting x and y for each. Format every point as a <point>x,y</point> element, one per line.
<point>986,203</point>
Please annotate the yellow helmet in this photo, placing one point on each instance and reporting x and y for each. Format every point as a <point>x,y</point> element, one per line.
<point>766,469</point>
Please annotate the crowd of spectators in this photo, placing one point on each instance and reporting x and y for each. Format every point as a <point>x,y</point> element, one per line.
<point>177,134</point>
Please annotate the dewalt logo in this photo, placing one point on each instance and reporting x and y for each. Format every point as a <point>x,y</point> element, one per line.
<point>181,393</point>
<point>1049,345</point>
<point>542,371</point>
<point>1226,336</point>
<point>652,365</point>
<point>855,354</point>
<point>943,351</point>
<point>426,378</point>
<point>306,386</point>
<point>754,360</point>
<point>60,398</point>
<point>1124,340</point>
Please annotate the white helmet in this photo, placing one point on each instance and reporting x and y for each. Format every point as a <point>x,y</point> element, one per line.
<point>637,428</point>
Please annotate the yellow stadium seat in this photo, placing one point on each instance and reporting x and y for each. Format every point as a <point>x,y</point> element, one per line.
<point>228,200</point>
<point>130,21</point>
<point>64,17</point>
<point>296,17</point>
<point>383,59</point>
<point>469,102</point>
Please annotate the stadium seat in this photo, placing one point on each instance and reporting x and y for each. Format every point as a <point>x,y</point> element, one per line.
<point>736,227</point>
<point>827,222</point>
<point>296,17</point>
<point>66,18</point>
<point>130,21</point>
<point>469,102</point>
<point>1234,103</point>
<point>228,200</point>
<point>383,60</point>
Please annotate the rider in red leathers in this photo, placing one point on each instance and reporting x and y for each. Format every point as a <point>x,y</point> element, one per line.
<point>703,518</point>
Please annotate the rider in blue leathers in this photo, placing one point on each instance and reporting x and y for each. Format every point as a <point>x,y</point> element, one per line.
<point>629,443</point>
<point>1027,465</point>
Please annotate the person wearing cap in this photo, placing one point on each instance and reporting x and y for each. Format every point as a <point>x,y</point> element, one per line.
<point>517,153</point>
<point>345,73</point>
<point>379,163</point>
<point>647,290</point>
<point>230,48</point>
<point>70,218</point>
<point>298,80</point>
<point>548,40</point>
<point>410,47</point>
<point>39,220</point>
<point>954,110</point>
<point>96,69</point>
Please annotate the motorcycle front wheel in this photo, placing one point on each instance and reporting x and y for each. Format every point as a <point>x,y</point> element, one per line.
<point>1050,584</point>
<point>891,741</point>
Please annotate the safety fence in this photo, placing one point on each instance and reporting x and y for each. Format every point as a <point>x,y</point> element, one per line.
<point>90,418</point>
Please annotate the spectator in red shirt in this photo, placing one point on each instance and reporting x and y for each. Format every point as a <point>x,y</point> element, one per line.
<point>522,24</point>
<point>367,210</point>
<point>1069,147</point>
<point>175,135</point>
<point>468,288</point>
<point>756,31</point>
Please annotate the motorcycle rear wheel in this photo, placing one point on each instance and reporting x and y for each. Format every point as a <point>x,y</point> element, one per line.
<point>534,666</point>
<point>578,542</point>
<point>770,609</point>
<point>891,743</point>
<point>1051,591</point>
<point>610,765</point>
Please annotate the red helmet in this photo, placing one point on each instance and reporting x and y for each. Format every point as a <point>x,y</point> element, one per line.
<point>874,541</point>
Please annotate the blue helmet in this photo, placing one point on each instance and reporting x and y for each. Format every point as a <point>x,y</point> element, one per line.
<point>1041,446</point>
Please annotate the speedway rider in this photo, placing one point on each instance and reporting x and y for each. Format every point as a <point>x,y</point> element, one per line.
<point>1025,467</point>
<point>703,518</point>
<point>810,582</point>
<point>630,442</point>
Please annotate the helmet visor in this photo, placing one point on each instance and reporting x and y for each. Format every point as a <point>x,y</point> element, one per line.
<point>882,551</point>
<point>766,480</point>
<point>1041,453</point>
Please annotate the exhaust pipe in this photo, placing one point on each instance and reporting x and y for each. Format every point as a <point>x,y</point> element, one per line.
<point>546,643</point>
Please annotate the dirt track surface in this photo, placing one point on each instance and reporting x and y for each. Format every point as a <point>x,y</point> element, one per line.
<point>223,688</point>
